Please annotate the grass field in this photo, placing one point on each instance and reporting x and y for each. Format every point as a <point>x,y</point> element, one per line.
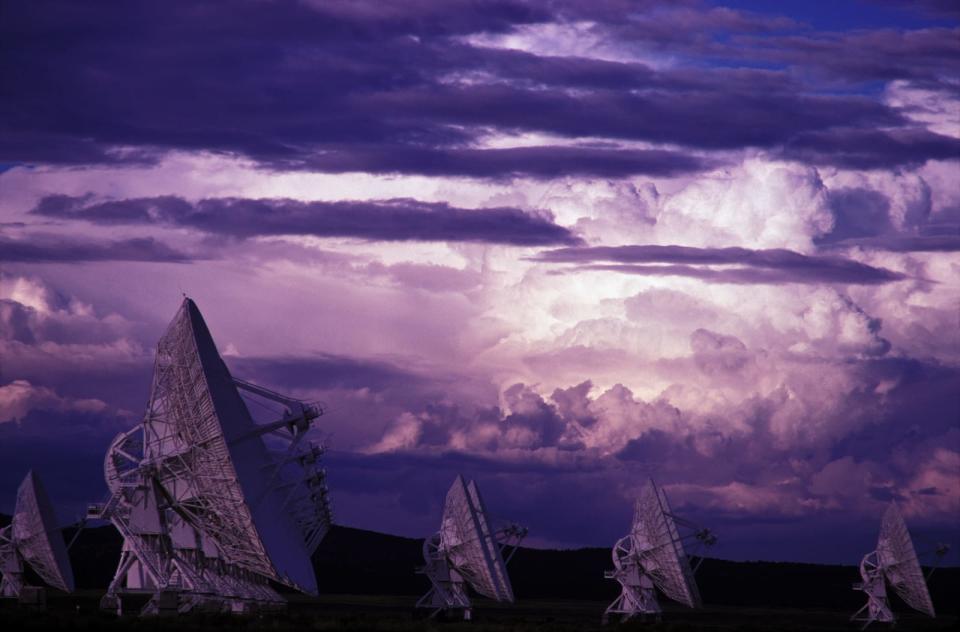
<point>396,614</point>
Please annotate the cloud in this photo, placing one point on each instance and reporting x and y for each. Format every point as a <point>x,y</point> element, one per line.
<point>542,162</point>
<point>527,422</point>
<point>718,353</point>
<point>47,248</point>
<point>754,266</point>
<point>871,149</point>
<point>19,397</point>
<point>906,243</point>
<point>858,212</point>
<point>385,220</point>
<point>769,455</point>
<point>429,277</point>
<point>920,55</point>
<point>51,340</point>
<point>760,204</point>
<point>63,437</point>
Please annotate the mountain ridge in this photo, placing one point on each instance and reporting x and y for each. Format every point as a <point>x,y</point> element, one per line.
<point>359,561</point>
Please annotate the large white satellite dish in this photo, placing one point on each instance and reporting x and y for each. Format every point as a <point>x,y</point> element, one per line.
<point>32,537</point>
<point>652,557</point>
<point>893,562</point>
<point>467,551</point>
<point>213,506</point>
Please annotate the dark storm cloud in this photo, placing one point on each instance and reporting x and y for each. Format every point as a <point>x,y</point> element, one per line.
<point>922,55</point>
<point>384,220</point>
<point>683,447</point>
<point>945,8</point>
<point>753,266</point>
<point>932,8</point>
<point>925,391</point>
<point>905,243</point>
<point>862,218</point>
<point>702,119</point>
<point>410,489</point>
<point>926,54</point>
<point>67,448</point>
<point>867,275</point>
<point>871,149</point>
<point>859,212</point>
<point>59,249</point>
<point>534,162</point>
<point>393,89</point>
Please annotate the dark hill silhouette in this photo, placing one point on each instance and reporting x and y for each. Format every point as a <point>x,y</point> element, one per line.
<point>359,562</point>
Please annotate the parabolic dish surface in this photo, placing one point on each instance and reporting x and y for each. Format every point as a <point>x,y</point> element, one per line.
<point>471,544</point>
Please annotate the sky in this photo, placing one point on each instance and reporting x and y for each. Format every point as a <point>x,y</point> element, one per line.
<point>560,247</point>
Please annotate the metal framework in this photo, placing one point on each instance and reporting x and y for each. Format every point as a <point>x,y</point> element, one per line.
<point>895,562</point>
<point>33,538</point>
<point>652,556</point>
<point>467,551</point>
<point>213,507</point>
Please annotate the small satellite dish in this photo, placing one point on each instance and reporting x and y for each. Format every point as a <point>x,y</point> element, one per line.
<point>33,538</point>
<point>467,551</point>
<point>652,557</point>
<point>893,562</point>
<point>213,507</point>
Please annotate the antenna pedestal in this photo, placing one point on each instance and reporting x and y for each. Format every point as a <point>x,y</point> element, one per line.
<point>467,551</point>
<point>11,565</point>
<point>652,557</point>
<point>894,562</point>
<point>447,591</point>
<point>638,594</point>
<point>33,539</point>
<point>877,607</point>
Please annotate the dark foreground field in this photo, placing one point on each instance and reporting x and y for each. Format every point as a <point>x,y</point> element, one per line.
<point>367,582</point>
<point>395,614</point>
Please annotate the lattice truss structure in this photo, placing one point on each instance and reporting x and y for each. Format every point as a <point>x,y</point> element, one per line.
<point>212,506</point>
<point>467,551</point>
<point>652,557</point>
<point>33,538</point>
<point>895,562</point>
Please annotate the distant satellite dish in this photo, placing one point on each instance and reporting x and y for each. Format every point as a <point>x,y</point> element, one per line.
<point>33,538</point>
<point>467,551</point>
<point>895,562</point>
<point>212,506</point>
<point>652,557</point>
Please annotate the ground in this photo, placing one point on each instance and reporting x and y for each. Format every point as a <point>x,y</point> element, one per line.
<point>396,614</point>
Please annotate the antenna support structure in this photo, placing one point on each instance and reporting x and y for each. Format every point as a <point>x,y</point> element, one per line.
<point>652,557</point>
<point>467,552</point>
<point>215,509</point>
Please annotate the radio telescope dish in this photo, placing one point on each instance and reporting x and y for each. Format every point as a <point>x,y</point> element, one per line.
<point>893,562</point>
<point>33,538</point>
<point>467,551</point>
<point>213,506</point>
<point>652,557</point>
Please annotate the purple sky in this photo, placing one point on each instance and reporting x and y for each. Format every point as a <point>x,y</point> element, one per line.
<point>557,246</point>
